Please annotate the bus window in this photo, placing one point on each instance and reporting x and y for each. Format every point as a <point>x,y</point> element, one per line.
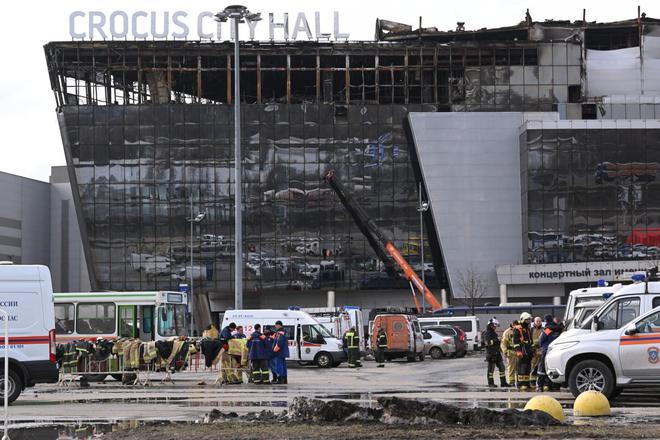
<point>96,319</point>
<point>172,320</point>
<point>147,319</point>
<point>64,318</point>
<point>127,322</point>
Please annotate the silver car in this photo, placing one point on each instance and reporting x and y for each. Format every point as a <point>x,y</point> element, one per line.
<point>437,345</point>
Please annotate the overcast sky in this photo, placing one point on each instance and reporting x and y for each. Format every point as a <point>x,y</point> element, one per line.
<point>30,135</point>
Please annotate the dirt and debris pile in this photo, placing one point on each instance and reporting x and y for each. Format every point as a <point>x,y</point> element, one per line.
<point>412,412</point>
<point>303,409</point>
<point>217,416</point>
<point>409,411</point>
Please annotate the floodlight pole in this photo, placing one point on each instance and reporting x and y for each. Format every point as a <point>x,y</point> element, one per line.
<point>238,225</point>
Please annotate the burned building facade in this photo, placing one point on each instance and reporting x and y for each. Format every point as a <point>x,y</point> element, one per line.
<point>147,132</point>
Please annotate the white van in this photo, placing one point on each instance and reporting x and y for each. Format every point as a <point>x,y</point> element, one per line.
<point>26,294</point>
<point>587,294</point>
<point>339,320</point>
<point>469,324</point>
<point>623,306</point>
<point>309,340</point>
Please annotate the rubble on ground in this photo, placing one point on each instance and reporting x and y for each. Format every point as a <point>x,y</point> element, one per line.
<point>392,411</point>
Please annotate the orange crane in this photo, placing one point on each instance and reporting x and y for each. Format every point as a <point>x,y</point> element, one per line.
<point>383,247</point>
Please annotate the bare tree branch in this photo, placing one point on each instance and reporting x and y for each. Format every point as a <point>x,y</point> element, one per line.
<point>472,284</point>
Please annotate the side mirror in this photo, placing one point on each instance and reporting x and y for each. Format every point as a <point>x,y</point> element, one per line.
<point>163,314</point>
<point>594,324</point>
<point>632,329</point>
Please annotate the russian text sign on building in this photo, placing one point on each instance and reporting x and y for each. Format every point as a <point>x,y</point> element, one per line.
<point>182,25</point>
<point>570,272</point>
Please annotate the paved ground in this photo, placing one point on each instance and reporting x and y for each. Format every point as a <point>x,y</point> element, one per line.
<point>458,381</point>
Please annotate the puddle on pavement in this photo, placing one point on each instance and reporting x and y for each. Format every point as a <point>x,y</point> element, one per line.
<point>178,401</point>
<point>86,431</point>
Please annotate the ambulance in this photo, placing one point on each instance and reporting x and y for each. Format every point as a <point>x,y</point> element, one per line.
<point>26,298</point>
<point>309,340</point>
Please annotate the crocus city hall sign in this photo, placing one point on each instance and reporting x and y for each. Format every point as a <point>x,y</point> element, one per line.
<point>181,25</point>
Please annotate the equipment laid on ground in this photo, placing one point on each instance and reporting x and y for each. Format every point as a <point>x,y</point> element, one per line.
<point>383,247</point>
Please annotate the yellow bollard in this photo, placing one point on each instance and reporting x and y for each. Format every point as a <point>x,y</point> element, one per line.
<point>548,405</point>
<point>591,404</point>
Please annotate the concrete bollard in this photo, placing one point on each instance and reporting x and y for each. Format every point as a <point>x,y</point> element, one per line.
<point>591,404</point>
<point>548,405</point>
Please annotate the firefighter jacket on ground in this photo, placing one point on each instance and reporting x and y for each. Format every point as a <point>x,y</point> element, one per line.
<point>492,341</point>
<point>257,346</point>
<point>211,349</point>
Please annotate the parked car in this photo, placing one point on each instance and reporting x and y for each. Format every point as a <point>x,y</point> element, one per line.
<point>438,346</point>
<point>469,324</point>
<point>457,334</point>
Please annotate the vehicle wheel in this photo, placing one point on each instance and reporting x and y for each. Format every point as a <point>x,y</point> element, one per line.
<point>436,353</point>
<point>324,360</point>
<point>616,393</point>
<point>411,358</point>
<point>97,377</point>
<point>14,385</point>
<point>117,377</point>
<point>591,375</point>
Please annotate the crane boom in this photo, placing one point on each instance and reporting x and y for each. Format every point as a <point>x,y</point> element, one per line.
<point>383,247</point>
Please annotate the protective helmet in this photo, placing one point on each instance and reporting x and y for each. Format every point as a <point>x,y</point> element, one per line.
<point>524,316</point>
<point>494,322</point>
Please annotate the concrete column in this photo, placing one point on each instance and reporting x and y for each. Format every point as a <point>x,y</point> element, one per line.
<point>331,298</point>
<point>443,298</point>
<point>503,294</point>
<point>556,300</point>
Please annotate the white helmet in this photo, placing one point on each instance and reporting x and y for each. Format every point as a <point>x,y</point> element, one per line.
<point>494,321</point>
<point>525,316</point>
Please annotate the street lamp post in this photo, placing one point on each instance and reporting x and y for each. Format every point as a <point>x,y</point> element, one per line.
<point>422,208</point>
<point>238,14</point>
<point>191,277</point>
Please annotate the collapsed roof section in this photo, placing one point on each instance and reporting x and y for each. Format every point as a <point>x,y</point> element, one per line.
<point>600,36</point>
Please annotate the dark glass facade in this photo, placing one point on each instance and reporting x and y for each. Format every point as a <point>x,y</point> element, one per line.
<point>590,194</point>
<point>137,167</point>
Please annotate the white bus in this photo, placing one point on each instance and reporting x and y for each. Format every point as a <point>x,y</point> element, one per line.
<point>149,316</point>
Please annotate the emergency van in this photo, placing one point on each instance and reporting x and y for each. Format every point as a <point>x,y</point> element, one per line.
<point>309,340</point>
<point>404,336</point>
<point>26,295</point>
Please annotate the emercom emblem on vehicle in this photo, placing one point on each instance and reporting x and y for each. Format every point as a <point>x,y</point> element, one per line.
<point>654,355</point>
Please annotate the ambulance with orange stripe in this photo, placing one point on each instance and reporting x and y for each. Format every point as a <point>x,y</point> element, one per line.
<point>617,347</point>
<point>309,341</point>
<point>26,295</point>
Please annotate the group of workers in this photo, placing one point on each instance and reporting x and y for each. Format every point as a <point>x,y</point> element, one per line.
<point>524,345</point>
<point>266,352</point>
